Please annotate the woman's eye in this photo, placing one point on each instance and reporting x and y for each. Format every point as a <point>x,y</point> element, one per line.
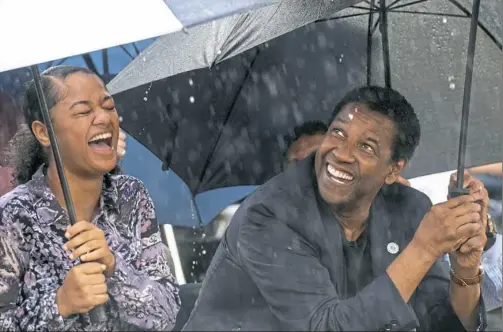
<point>84,112</point>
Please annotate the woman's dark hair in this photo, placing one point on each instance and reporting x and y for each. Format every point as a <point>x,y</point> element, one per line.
<point>26,154</point>
<point>392,104</point>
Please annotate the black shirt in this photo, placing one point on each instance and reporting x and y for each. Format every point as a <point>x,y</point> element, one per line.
<point>358,263</point>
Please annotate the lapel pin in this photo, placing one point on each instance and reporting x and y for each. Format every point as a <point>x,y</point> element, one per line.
<point>392,248</point>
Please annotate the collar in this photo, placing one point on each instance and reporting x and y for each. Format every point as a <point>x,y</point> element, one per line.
<point>38,186</point>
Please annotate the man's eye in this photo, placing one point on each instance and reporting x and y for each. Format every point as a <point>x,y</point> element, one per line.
<point>338,132</point>
<point>367,148</point>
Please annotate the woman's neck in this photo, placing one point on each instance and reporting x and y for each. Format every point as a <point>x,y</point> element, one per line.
<point>85,192</point>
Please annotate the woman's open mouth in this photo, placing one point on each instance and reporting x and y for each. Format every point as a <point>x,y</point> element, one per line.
<point>101,143</point>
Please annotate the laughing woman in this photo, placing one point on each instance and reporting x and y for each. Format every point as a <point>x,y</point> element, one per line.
<point>123,263</point>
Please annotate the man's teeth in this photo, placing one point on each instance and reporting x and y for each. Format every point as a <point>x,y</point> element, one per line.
<point>338,174</point>
<point>100,137</point>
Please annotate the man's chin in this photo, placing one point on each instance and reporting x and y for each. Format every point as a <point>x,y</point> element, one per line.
<point>335,198</point>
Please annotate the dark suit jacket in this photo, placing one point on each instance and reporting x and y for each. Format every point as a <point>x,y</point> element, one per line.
<point>280,266</point>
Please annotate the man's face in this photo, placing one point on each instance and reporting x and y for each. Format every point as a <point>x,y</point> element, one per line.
<point>304,146</point>
<point>354,159</point>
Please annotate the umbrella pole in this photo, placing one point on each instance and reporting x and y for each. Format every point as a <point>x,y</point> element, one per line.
<point>98,313</point>
<point>369,43</point>
<point>466,98</point>
<point>385,43</point>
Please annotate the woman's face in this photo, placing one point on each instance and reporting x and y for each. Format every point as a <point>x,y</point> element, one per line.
<point>86,125</point>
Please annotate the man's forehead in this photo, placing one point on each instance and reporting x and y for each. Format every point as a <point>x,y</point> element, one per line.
<point>355,111</point>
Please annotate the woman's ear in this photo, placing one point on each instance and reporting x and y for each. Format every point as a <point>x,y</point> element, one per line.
<point>395,171</point>
<point>40,132</point>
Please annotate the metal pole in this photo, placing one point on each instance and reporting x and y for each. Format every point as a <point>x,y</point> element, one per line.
<point>467,93</point>
<point>54,145</point>
<point>385,43</point>
<point>98,314</point>
<point>369,43</point>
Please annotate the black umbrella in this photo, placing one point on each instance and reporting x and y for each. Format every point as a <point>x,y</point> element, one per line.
<point>225,126</point>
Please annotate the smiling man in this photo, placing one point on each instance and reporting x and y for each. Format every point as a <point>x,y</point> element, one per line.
<point>321,247</point>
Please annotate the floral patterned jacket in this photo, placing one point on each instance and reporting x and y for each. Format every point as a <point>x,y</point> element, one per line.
<point>33,264</point>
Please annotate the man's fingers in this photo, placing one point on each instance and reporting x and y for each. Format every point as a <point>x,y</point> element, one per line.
<point>79,227</point>
<point>474,243</point>
<point>456,201</point>
<point>466,208</point>
<point>468,229</point>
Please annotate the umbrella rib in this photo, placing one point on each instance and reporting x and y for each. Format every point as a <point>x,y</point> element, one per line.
<point>127,52</point>
<point>209,159</point>
<point>360,7</point>
<point>376,24</point>
<point>407,4</point>
<point>427,13</point>
<point>393,3</point>
<point>345,16</point>
<point>372,5</point>
<point>106,69</point>
<point>481,25</point>
<point>136,49</point>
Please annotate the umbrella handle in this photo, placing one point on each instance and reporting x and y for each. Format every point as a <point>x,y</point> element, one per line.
<point>456,192</point>
<point>98,314</point>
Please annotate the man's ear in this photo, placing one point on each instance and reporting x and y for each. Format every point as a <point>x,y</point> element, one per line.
<point>40,132</point>
<point>395,171</point>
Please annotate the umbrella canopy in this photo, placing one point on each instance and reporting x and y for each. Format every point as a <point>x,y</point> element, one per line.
<point>208,44</point>
<point>53,32</point>
<point>225,126</point>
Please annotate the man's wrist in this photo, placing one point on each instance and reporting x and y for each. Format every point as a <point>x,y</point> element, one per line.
<point>465,272</point>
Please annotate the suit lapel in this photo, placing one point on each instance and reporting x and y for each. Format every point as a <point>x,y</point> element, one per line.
<point>322,222</point>
<point>383,237</point>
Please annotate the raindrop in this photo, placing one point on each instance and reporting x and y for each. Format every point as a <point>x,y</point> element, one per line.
<point>452,86</point>
<point>194,262</point>
<point>340,59</point>
<point>144,59</point>
<point>451,78</point>
<point>203,235</point>
<point>204,252</point>
<point>145,98</point>
<point>444,20</point>
<point>192,100</point>
<point>121,119</point>
<point>219,52</point>
<point>191,82</point>
<point>342,55</point>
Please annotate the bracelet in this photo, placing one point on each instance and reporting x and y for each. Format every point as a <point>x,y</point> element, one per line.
<point>467,281</point>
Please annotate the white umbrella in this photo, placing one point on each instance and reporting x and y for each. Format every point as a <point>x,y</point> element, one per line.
<point>36,31</point>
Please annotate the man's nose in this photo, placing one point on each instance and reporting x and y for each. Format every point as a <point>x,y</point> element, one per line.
<point>344,153</point>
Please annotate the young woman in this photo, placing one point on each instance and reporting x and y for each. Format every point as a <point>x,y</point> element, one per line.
<point>53,274</point>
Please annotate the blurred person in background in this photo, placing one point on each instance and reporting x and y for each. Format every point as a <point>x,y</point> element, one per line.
<point>10,119</point>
